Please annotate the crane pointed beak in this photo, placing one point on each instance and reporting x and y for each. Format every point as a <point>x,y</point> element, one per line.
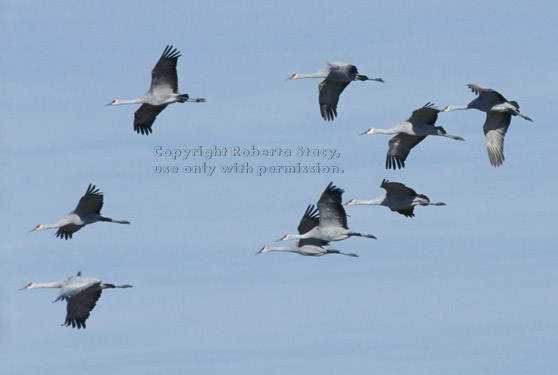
<point>26,286</point>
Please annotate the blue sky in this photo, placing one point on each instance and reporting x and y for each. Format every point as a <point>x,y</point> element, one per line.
<point>465,288</point>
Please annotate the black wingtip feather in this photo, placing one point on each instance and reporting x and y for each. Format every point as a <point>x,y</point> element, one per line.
<point>170,53</point>
<point>143,129</point>
<point>92,190</point>
<point>394,162</point>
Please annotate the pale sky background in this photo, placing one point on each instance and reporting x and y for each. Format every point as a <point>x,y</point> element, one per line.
<point>469,288</point>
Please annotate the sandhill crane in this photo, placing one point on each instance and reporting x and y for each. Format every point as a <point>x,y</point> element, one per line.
<point>410,133</point>
<point>332,225</point>
<point>163,91</point>
<point>498,117</point>
<point>308,246</point>
<point>81,293</point>
<point>337,75</point>
<point>88,211</point>
<point>399,198</point>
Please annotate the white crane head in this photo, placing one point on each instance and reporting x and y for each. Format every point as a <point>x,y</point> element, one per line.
<point>38,227</point>
<point>370,131</point>
<point>31,285</point>
<point>287,237</point>
<point>350,202</point>
<point>294,76</point>
<point>116,102</point>
<point>265,249</point>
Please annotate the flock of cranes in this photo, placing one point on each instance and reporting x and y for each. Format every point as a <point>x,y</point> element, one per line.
<point>319,225</point>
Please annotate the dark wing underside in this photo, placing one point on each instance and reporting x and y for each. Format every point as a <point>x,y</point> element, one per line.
<point>409,212</point>
<point>425,115</point>
<point>399,148</point>
<point>91,202</point>
<point>66,231</point>
<point>329,97</point>
<point>164,72</point>
<point>487,94</point>
<point>145,116</point>
<point>309,221</point>
<point>80,306</point>
<point>331,209</point>
<point>397,188</point>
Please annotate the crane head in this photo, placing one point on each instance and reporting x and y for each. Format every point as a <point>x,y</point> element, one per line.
<point>350,202</point>
<point>369,131</point>
<point>38,227</point>
<point>264,249</point>
<point>28,286</point>
<point>288,237</point>
<point>294,76</point>
<point>111,103</point>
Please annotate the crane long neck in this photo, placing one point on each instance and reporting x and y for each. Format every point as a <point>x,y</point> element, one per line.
<point>51,226</point>
<point>279,248</point>
<point>58,224</point>
<point>131,101</point>
<point>375,201</point>
<point>455,108</point>
<point>54,284</point>
<point>309,75</point>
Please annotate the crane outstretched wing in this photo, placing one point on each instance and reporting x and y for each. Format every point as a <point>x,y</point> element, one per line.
<point>427,114</point>
<point>331,209</point>
<point>397,188</point>
<point>145,116</point>
<point>309,221</point>
<point>329,97</point>
<point>91,202</point>
<point>65,232</point>
<point>495,128</point>
<point>485,93</point>
<point>163,75</point>
<point>399,148</point>
<point>80,306</point>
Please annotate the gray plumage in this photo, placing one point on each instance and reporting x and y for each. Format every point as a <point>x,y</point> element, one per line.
<point>498,111</point>
<point>163,91</point>
<point>307,246</point>
<point>332,225</point>
<point>398,198</point>
<point>337,76</point>
<point>81,294</point>
<point>410,133</point>
<point>88,211</point>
